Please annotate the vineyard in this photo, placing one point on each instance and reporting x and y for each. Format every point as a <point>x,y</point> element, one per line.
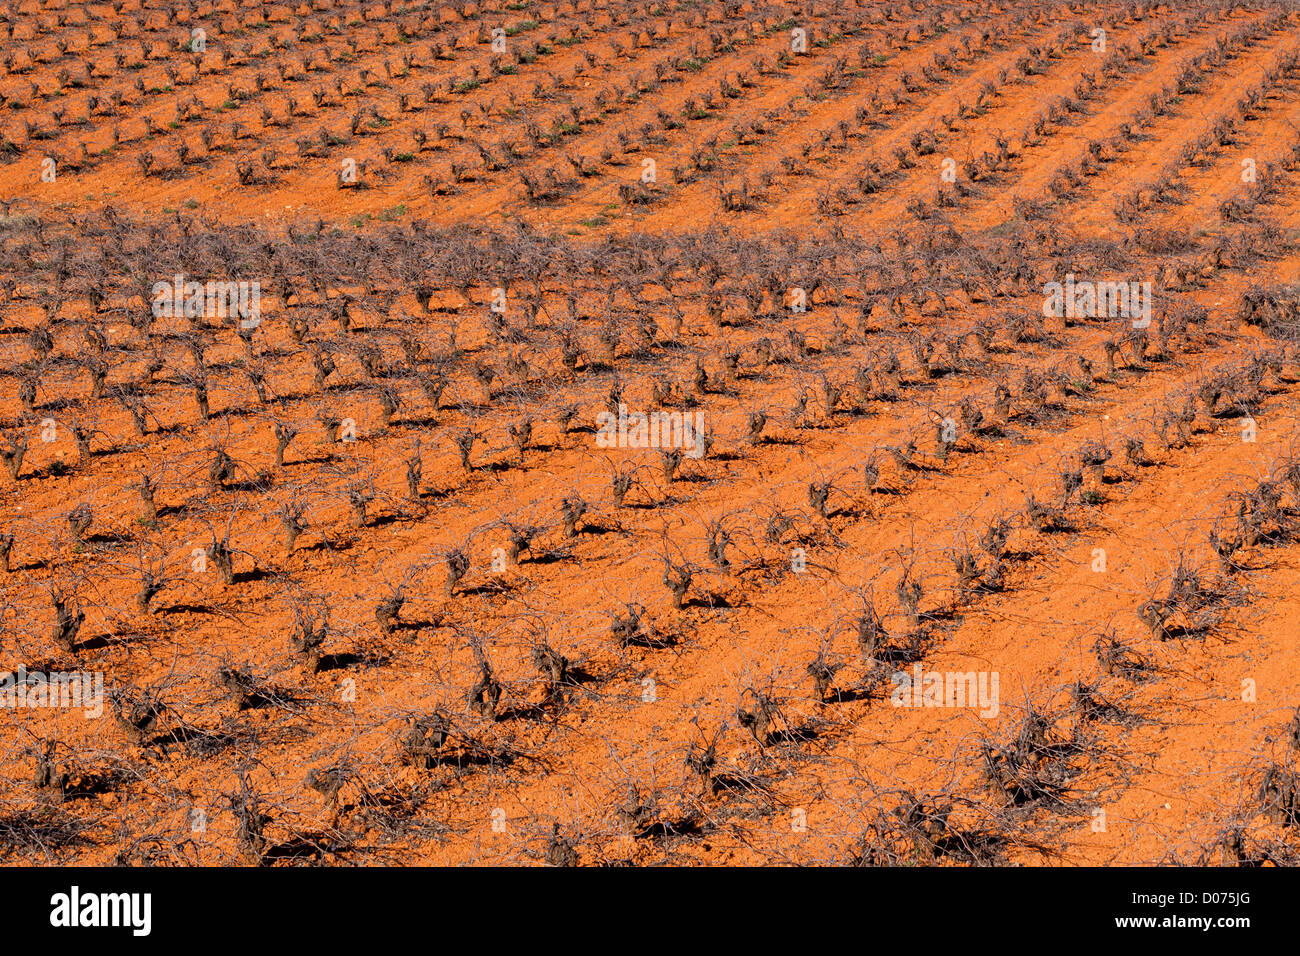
<point>596,432</point>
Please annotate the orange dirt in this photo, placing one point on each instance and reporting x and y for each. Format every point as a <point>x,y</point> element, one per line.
<point>447,623</point>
